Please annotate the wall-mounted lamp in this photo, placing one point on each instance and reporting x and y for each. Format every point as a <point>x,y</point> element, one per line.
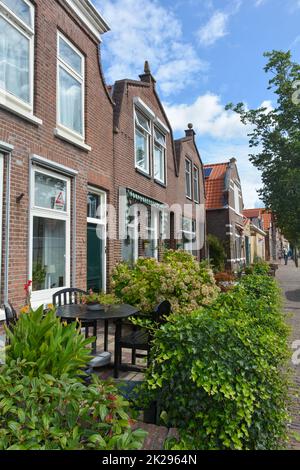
<point>19,198</point>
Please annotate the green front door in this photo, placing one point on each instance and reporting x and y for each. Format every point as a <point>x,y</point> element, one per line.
<point>95,258</point>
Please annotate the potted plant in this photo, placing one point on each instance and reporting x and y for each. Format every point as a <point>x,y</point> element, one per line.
<point>92,300</point>
<point>98,301</point>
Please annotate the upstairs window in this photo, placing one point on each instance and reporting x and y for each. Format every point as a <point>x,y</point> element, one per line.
<point>70,87</point>
<point>159,156</point>
<point>142,138</point>
<point>16,52</point>
<point>196,184</point>
<point>236,198</point>
<point>188,178</point>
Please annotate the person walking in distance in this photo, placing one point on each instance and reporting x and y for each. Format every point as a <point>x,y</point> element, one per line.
<point>285,255</point>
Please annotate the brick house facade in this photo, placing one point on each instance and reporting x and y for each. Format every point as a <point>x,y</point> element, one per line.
<point>224,207</point>
<point>150,172</point>
<point>56,142</point>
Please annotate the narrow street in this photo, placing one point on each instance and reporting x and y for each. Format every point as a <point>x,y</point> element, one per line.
<point>289,280</point>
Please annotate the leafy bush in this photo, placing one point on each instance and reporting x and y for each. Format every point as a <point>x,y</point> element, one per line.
<point>47,413</point>
<point>259,267</point>
<point>217,253</point>
<point>218,374</point>
<point>48,345</point>
<point>179,278</point>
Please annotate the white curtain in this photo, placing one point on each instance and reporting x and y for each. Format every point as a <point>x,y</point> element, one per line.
<point>70,97</point>
<point>14,61</point>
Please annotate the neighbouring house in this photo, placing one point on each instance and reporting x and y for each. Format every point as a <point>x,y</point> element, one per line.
<point>258,234</point>
<point>246,253</point>
<point>191,191</point>
<point>224,210</point>
<point>56,148</point>
<point>149,176</point>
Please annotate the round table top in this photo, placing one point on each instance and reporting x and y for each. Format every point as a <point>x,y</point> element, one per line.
<point>110,312</point>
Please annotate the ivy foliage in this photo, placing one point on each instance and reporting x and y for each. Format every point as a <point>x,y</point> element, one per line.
<point>218,374</point>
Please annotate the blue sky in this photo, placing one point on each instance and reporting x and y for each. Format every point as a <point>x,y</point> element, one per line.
<point>204,54</point>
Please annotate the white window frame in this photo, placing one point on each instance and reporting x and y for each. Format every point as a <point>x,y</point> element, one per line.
<point>45,296</point>
<point>153,229</point>
<point>134,226</point>
<point>187,160</point>
<point>196,172</point>
<point>236,198</point>
<point>1,214</point>
<point>147,134</point>
<point>192,233</point>
<point>159,146</point>
<point>102,221</point>
<point>6,98</point>
<point>62,129</point>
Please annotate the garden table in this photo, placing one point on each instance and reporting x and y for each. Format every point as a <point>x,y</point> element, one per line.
<point>116,312</point>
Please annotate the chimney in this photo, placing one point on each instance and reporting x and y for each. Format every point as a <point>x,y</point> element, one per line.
<point>147,76</point>
<point>233,161</point>
<point>190,131</point>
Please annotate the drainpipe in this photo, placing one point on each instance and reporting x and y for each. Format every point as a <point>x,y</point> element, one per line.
<point>7,150</point>
<point>74,224</point>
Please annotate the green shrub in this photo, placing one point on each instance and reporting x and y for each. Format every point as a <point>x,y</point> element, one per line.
<point>217,254</point>
<point>259,267</point>
<point>47,413</point>
<point>218,374</point>
<point>48,345</point>
<point>179,278</point>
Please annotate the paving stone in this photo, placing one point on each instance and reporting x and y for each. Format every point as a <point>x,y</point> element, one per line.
<point>289,280</point>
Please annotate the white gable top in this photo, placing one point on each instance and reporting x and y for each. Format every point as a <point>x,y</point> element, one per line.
<point>90,16</point>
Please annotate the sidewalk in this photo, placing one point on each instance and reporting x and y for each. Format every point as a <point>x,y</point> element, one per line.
<point>289,280</point>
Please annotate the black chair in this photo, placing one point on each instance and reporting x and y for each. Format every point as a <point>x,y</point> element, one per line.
<point>69,296</point>
<point>11,317</point>
<point>138,339</point>
<point>72,296</point>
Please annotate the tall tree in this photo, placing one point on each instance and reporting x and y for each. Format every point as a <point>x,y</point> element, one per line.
<point>275,136</point>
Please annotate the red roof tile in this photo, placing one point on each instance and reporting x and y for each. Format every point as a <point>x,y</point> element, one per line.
<point>251,213</point>
<point>215,185</point>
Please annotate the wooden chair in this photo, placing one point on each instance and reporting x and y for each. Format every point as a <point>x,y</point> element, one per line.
<point>138,339</point>
<point>72,296</point>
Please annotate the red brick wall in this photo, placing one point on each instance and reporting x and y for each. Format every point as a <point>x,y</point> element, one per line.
<point>94,167</point>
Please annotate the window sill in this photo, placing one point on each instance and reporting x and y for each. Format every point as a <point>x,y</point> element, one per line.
<point>71,140</point>
<point>147,175</point>
<point>164,185</point>
<point>18,111</point>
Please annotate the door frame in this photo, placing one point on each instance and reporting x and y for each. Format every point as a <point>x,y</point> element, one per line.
<point>1,215</point>
<point>103,223</point>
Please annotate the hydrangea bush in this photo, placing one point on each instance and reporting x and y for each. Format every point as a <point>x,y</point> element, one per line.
<point>179,278</point>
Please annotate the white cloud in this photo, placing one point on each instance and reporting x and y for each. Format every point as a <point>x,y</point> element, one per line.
<point>208,116</point>
<point>220,136</point>
<point>214,29</point>
<point>146,30</point>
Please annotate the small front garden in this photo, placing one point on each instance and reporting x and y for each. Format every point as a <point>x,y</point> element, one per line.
<point>217,369</point>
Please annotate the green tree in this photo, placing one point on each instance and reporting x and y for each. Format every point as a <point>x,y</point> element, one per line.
<point>275,136</point>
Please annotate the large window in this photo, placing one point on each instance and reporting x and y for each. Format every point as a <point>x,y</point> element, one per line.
<point>16,52</point>
<point>142,138</point>
<point>50,229</point>
<point>70,87</point>
<point>188,178</point>
<point>196,184</point>
<point>159,156</point>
